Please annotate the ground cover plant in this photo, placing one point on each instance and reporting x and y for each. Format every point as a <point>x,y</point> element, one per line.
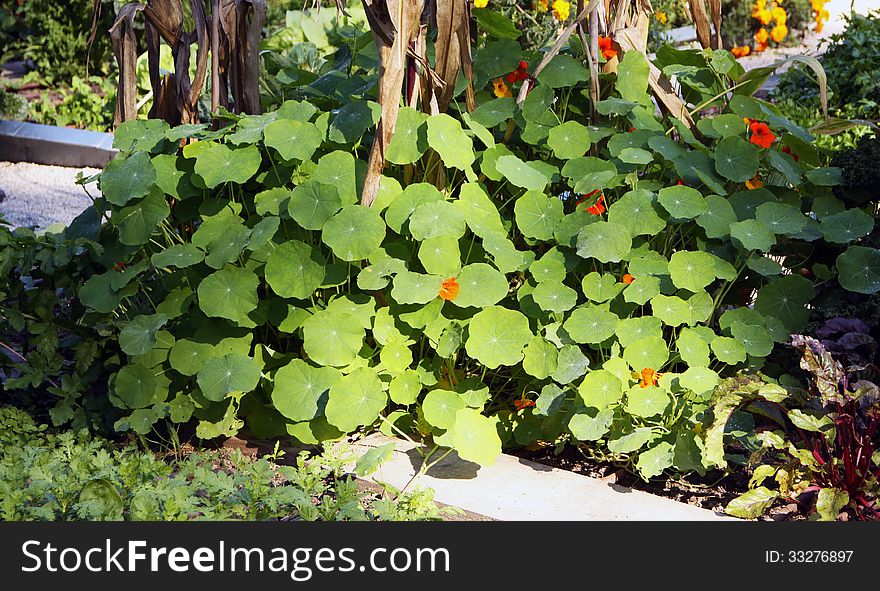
<point>71,475</point>
<point>526,275</point>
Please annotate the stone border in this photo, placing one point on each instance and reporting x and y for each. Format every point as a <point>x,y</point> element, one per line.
<point>21,141</point>
<point>514,489</point>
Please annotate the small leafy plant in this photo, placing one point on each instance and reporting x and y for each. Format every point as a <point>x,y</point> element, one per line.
<point>70,475</point>
<point>821,447</point>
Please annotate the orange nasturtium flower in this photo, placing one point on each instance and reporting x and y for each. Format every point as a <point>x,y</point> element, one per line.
<point>627,278</point>
<point>761,134</point>
<point>523,403</point>
<point>754,183</point>
<point>649,377</point>
<point>449,289</point>
<point>501,90</point>
<point>607,48</point>
<point>597,208</point>
<point>741,51</point>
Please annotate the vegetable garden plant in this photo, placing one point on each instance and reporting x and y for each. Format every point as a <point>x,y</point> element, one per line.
<point>565,282</point>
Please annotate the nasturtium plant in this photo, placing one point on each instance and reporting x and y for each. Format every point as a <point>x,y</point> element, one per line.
<point>524,276</point>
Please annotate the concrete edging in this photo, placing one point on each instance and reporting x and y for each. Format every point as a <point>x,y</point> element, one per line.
<point>514,489</point>
<point>21,141</point>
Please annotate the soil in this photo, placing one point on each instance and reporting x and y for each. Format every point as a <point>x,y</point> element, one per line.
<point>712,491</point>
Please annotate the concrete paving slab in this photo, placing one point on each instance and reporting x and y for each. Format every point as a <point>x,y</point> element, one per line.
<point>514,489</point>
<point>59,146</point>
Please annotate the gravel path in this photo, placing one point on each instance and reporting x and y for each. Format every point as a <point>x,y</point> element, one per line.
<point>37,195</point>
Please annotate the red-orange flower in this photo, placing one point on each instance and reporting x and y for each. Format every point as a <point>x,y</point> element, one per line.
<point>597,208</point>
<point>681,182</point>
<point>449,289</point>
<point>761,134</point>
<point>788,151</point>
<point>120,266</point>
<point>649,377</point>
<point>522,403</point>
<point>520,74</point>
<point>607,48</point>
<point>627,278</point>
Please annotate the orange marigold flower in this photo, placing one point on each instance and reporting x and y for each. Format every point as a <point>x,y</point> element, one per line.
<point>501,89</point>
<point>523,403</point>
<point>754,183</point>
<point>761,135</point>
<point>627,278</point>
<point>741,51</point>
<point>762,36</point>
<point>561,9</point>
<point>779,15</point>
<point>449,289</point>
<point>779,32</point>
<point>607,48</point>
<point>649,377</point>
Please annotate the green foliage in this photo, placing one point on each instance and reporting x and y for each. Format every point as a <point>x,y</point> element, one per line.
<point>54,36</point>
<point>850,61</point>
<point>71,476</point>
<point>268,298</point>
<point>85,103</point>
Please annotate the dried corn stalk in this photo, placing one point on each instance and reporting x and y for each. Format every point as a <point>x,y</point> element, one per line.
<point>705,35</point>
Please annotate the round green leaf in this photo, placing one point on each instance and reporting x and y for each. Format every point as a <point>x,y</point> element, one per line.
<point>552,296</point>
<point>138,222</point>
<point>178,255</point>
<point>649,401</point>
<point>136,386</point>
<point>187,357</point>
<point>699,379</point>
<point>446,136</point>
<point>436,218</point>
<point>312,203</point>
<point>333,338</point>
<point>527,175</point>
<point>299,388</point>
<point>631,441</point>
<point>691,270</point>
<point>537,215</point>
<point>233,372</point>
<point>630,330</point>
<point>600,389</point>
<point>653,461</point>
<point>497,336</point>
<point>440,256</point>
<point>295,270</point>
<point>569,140</point>
<point>682,202</point>
<point>440,406</point>
<point>590,324</point>
<point>717,218</point>
<point>736,159</point>
<point>415,288</point>
<point>396,357</point>
<point>636,211</point>
<point>859,269</point>
<point>728,350</point>
<point>218,163</point>
<point>127,178</point>
<point>604,241</point>
<point>585,427</point>
<point>563,71</point>
<point>753,235</point>
<point>540,358</point>
<point>781,218</point>
<point>755,339</point>
<point>139,335</point>
<point>475,437</point>
<point>692,349</point>
<point>672,310</point>
<point>601,288</point>
<point>641,290</point>
<point>229,293</point>
<point>846,226</point>
<point>405,387</point>
<point>354,233</point>
<point>355,400</point>
<point>648,352</point>
<point>480,286</point>
<point>786,299</point>
<point>293,140</point>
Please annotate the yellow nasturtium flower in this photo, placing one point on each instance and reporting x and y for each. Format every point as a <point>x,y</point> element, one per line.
<point>561,9</point>
<point>480,3</point>
<point>501,89</point>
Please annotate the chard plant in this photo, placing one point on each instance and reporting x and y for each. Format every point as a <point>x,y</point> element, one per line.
<point>560,282</point>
